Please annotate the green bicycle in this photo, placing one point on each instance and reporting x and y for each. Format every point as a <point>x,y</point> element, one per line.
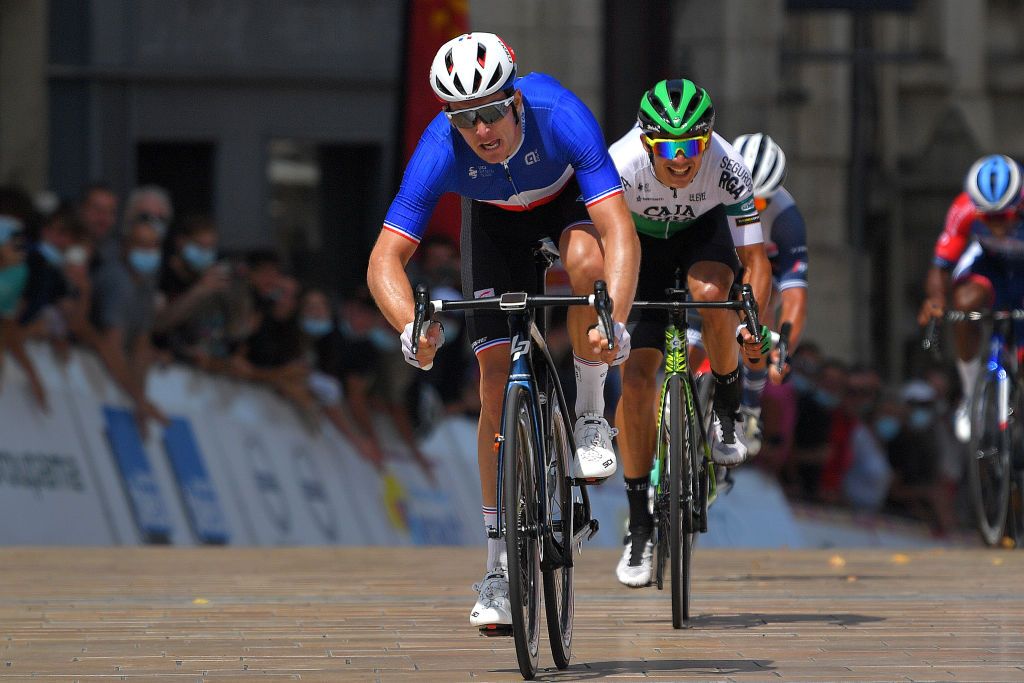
<point>683,476</point>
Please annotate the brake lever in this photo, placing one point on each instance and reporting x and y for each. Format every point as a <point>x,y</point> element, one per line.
<point>421,311</point>
<point>752,322</point>
<point>783,346</point>
<point>603,305</point>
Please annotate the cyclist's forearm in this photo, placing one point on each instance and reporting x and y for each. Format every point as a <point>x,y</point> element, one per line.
<point>757,273</point>
<point>388,282</point>
<point>621,252</point>
<point>937,284</point>
<point>794,312</point>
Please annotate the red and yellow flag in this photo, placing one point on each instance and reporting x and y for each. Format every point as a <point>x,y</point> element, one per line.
<point>429,24</point>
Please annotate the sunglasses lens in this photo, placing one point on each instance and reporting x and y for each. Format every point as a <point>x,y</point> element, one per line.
<point>489,113</point>
<point>668,149</point>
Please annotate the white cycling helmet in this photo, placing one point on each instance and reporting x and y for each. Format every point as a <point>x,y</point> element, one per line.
<point>471,66</point>
<point>994,183</point>
<point>766,161</point>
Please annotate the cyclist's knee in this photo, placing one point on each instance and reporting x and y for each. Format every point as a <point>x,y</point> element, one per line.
<point>972,295</point>
<point>709,281</point>
<point>583,261</point>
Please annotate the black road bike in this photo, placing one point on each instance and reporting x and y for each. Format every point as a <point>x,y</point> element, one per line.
<point>545,512</point>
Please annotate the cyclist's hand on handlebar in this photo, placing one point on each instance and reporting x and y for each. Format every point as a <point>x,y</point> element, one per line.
<point>753,349</point>
<point>431,339</point>
<point>599,343</point>
<point>930,308</point>
<point>774,376</point>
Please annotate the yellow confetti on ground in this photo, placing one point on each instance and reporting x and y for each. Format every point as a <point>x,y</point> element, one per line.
<point>900,558</point>
<point>200,601</point>
<point>997,561</point>
<point>851,578</point>
<point>837,561</point>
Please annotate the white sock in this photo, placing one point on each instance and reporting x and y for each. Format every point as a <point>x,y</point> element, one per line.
<point>590,376</point>
<point>968,370</point>
<point>497,553</point>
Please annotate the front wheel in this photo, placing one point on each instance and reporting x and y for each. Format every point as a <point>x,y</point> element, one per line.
<point>681,501</point>
<point>988,461</point>
<point>521,528</point>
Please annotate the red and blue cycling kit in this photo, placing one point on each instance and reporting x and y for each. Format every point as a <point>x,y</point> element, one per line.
<point>968,247</point>
<point>560,138</point>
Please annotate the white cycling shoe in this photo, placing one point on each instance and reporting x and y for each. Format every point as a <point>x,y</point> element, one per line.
<point>751,429</point>
<point>492,606</point>
<point>595,458</point>
<point>728,448</point>
<point>636,564</point>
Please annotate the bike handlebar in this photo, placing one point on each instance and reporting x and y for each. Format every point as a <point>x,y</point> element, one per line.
<point>746,303</point>
<point>424,308</point>
<point>930,338</point>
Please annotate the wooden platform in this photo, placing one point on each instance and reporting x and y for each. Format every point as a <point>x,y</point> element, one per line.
<point>347,614</point>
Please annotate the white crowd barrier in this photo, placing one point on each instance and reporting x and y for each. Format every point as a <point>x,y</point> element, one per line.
<point>237,466</point>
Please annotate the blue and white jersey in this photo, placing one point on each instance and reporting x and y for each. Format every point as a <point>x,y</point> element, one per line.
<point>785,240</point>
<point>560,137</point>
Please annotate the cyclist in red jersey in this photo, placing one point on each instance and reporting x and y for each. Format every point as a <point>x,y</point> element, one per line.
<point>979,260</point>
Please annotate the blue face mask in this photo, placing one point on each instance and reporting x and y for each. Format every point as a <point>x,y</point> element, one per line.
<point>316,327</point>
<point>800,383</point>
<point>53,255</point>
<point>826,399</point>
<point>920,418</point>
<point>887,427</point>
<point>12,284</point>
<point>198,258</point>
<point>383,339</point>
<point>144,261</point>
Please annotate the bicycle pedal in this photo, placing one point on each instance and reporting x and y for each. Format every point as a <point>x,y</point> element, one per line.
<point>593,481</point>
<point>496,630</point>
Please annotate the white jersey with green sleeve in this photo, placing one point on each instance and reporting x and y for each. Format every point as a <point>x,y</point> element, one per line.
<point>661,211</point>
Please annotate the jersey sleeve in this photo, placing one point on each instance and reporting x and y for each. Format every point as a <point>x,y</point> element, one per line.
<point>578,133</point>
<point>425,179</point>
<point>789,233</point>
<point>744,221</point>
<point>956,233</point>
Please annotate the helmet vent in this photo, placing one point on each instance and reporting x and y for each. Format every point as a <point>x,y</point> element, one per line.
<point>440,86</point>
<point>481,54</point>
<point>496,78</point>
<point>449,63</point>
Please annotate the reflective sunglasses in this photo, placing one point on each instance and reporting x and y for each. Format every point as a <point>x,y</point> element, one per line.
<point>488,113</point>
<point>669,148</point>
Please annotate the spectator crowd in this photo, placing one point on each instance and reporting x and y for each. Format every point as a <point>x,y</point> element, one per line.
<point>138,285</point>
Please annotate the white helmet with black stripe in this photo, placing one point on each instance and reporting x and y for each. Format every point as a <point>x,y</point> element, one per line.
<point>472,65</point>
<point>766,161</point>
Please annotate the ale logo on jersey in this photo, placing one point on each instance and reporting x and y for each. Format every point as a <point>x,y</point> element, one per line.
<point>480,172</point>
<point>532,157</point>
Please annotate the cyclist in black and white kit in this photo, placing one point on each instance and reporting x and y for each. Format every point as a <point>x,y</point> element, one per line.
<point>529,160</point>
<point>691,200</point>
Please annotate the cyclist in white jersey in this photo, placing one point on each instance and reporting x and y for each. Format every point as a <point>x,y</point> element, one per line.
<point>785,237</point>
<point>691,199</point>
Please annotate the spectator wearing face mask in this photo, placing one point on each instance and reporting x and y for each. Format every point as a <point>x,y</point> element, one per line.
<point>13,276</point>
<point>323,350</point>
<point>49,293</point>
<point>816,411</point>
<point>865,483</point>
<point>124,307</point>
<point>203,302</point>
<point>918,489</point>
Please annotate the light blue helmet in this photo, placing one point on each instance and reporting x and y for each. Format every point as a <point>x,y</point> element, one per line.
<point>994,183</point>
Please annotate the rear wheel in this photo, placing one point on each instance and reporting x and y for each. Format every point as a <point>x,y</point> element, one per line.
<point>521,535</point>
<point>558,581</point>
<point>988,461</point>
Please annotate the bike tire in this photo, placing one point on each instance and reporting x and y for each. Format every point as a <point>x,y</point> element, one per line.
<point>559,582</point>
<point>520,505</point>
<point>681,500</point>
<point>988,462</point>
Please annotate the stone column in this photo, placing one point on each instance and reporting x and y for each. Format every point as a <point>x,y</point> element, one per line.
<point>24,112</point>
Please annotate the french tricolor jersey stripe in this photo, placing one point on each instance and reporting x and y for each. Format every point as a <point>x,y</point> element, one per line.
<point>610,192</point>
<point>404,233</point>
<point>530,199</point>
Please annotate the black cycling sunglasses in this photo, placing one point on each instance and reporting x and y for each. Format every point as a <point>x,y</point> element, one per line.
<point>488,113</point>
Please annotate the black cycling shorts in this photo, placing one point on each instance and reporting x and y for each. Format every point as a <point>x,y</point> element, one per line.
<point>497,254</point>
<point>708,239</point>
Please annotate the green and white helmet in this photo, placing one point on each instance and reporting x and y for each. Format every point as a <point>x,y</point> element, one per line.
<point>676,108</point>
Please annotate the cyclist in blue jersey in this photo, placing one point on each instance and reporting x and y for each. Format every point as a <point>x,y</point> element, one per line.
<point>529,161</point>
